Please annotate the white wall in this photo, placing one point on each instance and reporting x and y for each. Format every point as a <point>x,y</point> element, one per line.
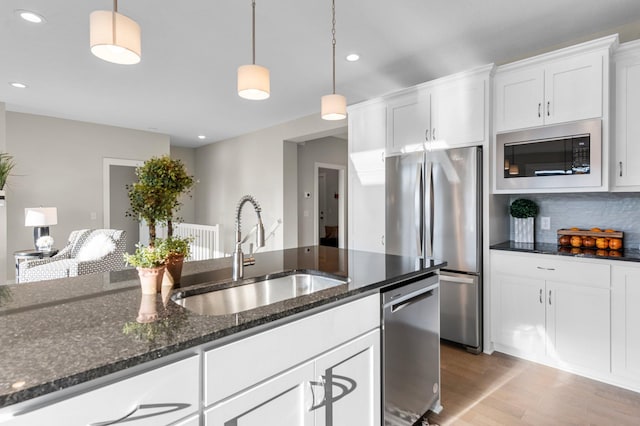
<point>59,163</point>
<point>252,164</point>
<point>3,203</point>
<point>290,214</point>
<point>329,150</point>
<point>188,157</point>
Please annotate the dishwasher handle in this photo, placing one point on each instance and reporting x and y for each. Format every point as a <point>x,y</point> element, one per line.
<point>395,307</point>
<point>397,297</point>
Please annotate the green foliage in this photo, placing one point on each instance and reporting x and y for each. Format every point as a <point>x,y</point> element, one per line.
<point>146,257</point>
<point>154,198</point>
<point>523,208</point>
<point>166,327</point>
<point>6,165</point>
<point>175,245</point>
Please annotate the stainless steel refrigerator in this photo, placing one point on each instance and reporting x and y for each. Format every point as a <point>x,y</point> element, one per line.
<point>434,210</point>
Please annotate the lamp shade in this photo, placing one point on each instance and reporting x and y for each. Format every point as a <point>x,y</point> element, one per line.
<point>253,82</point>
<point>333,107</point>
<point>514,169</point>
<point>40,216</point>
<point>114,37</point>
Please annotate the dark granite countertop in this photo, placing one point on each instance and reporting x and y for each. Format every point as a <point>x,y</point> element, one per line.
<point>58,333</point>
<point>628,255</point>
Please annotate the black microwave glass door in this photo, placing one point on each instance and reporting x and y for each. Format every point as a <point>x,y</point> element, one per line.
<point>566,156</point>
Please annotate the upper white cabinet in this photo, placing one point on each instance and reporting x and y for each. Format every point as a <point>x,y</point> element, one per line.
<point>445,113</point>
<point>552,310</point>
<point>626,173</point>
<point>367,136</point>
<point>565,85</point>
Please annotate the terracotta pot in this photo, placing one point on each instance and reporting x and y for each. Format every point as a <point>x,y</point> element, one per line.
<point>151,279</point>
<point>174,270</point>
<point>148,311</point>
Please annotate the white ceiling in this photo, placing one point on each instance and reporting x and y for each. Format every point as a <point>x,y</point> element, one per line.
<point>185,84</point>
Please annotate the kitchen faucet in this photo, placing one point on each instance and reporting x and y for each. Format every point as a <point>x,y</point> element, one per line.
<point>238,257</point>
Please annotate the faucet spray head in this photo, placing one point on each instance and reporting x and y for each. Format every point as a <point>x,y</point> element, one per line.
<point>260,233</point>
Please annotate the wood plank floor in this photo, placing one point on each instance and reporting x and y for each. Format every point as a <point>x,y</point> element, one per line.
<point>502,390</point>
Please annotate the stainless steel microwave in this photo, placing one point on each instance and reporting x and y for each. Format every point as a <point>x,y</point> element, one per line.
<point>565,155</point>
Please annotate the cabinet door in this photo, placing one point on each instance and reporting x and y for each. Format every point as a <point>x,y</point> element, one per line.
<point>349,381</point>
<point>367,136</point>
<point>160,396</point>
<point>625,322</point>
<point>519,99</point>
<point>284,400</point>
<point>627,137</point>
<point>458,114</point>
<point>519,322</point>
<point>573,89</point>
<point>409,121</point>
<point>578,325</point>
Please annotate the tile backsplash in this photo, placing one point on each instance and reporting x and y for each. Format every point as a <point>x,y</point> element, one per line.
<point>619,211</point>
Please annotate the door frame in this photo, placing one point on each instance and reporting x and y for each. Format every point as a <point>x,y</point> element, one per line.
<point>341,194</point>
<point>106,185</point>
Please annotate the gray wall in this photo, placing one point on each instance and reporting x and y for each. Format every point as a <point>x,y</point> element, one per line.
<point>60,164</point>
<point>252,164</point>
<point>3,203</point>
<point>188,157</point>
<point>290,186</point>
<point>619,211</point>
<point>330,150</point>
<point>119,178</point>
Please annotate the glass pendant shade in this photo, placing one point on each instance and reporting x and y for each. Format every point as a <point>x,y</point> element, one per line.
<point>333,107</point>
<point>114,37</point>
<point>253,82</point>
<point>514,169</point>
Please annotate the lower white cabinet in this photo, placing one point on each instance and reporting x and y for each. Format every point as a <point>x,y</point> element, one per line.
<point>625,322</point>
<point>552,310</point>
<point>341,387</point>
<point>158,397</point>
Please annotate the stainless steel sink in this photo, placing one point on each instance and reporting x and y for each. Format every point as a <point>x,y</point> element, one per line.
<point>260,293</point>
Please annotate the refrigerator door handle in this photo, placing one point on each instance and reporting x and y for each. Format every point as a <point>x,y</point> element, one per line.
<point>428,211</point>
<point>418,209</point>
<point>461,280</point>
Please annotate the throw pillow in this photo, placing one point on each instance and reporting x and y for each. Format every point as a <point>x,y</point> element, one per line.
<point>96,247</point>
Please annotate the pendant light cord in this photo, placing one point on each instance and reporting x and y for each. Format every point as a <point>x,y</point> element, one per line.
<point>333,42</point>
<point>253,30</point>
<point>113,21</point>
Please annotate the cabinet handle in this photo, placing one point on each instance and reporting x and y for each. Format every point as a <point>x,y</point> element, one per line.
<point>112,422</point>
<point>541,296</point>
<point>549,297</point>
<point>539,106</point>
<point>548,109</point>
<point>426,135</point>
<point>382,240</point>
<point>621,169</point>
<point>168,407</point>
<point>545,269</point>
<point>433,133</point>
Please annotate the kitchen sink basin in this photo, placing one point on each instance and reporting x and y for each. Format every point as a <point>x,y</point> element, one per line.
<point>255,294</point>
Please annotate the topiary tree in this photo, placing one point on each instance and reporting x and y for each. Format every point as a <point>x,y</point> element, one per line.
<point>523,208</point>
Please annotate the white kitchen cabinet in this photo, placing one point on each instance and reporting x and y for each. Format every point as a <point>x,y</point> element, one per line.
<point>625,323</point>
<point>285,400</point>
<point>351,385</point>
<point>160,396</point>
<point>565,85</point>
<point>552,310</point>
<point>626,173</point>
<point>366,203</point>
<point>446,113</point>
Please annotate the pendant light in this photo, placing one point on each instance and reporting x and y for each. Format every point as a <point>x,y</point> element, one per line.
<point>253,80</point>
<point>333,107</point>
<point>114,37</point>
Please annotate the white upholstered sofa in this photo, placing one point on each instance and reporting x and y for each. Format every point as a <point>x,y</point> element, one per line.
<point>88,251</point>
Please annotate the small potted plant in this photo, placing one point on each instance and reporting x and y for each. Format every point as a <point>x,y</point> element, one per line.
<point>150,263</point>
<point>523,212</point>
<point>177,249</point>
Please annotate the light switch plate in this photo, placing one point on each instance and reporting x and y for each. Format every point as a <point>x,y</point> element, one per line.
<point>545,223</point>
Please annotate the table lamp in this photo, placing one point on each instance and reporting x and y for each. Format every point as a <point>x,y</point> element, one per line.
<point>40,218</point>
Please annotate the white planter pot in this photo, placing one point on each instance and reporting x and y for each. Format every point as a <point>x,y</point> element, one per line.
<point>523,230</point>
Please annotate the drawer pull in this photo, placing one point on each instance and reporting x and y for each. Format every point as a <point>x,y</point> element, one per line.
<point>539,105</point>
<point>549,297</point>
<point>541,296</point>
<point>166,408</point>
<point>545,269</point>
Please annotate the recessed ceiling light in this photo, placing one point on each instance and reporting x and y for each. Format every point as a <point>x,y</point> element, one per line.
<point>18,85</point>
<point>202,137</point>
<point>352,57</point>
<point>30,16</point>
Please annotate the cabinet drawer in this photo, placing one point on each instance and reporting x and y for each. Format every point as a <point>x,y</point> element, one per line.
<point>160,396</point>
<point>552,268</point>
<point>269,353</point>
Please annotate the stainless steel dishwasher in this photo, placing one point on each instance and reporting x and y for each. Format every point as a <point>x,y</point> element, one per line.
<point>411,350</point>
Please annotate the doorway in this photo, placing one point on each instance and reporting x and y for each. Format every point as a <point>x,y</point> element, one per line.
<point>117,174</point>
<point>329,212</point>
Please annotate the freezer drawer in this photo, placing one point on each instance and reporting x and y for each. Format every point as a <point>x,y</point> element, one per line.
<point>460,313</point>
